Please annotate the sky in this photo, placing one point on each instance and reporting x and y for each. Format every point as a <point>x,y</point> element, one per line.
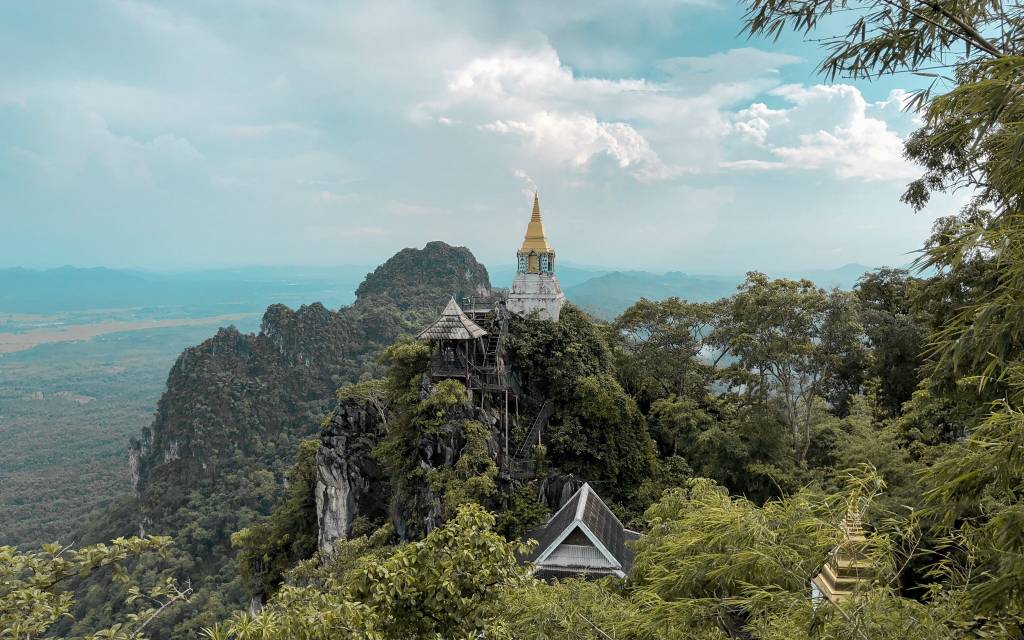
<point>200,134</point>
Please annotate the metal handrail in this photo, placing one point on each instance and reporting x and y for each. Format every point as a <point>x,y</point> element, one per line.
<point>543,415</point>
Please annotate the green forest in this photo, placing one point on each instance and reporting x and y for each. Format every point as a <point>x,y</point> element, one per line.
<point>735,435</point>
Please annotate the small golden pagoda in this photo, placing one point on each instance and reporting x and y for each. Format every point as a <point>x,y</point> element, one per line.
<point>847,569</point>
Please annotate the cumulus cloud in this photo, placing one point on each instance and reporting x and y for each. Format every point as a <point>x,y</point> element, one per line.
<point>575,138</point>
<point>827,127</point>
<point>533,96</point>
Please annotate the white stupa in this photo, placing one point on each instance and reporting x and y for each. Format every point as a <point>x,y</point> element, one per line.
<point>535,288</point>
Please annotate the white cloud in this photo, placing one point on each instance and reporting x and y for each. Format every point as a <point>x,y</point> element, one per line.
<point>827,128</point>
<point>575,138</point>
<point>208,119</point>
<point>535,97</point>
<point>652,130</point>
<point>758,165</point>
<point>531,185</point>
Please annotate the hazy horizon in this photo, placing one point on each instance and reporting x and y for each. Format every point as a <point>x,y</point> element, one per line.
<point>510,265</point>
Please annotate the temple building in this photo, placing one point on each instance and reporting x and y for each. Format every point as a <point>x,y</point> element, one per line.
<point>535,288</point>
<point>582,539</point>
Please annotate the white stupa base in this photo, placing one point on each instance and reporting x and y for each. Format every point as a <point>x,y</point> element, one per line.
<point>536,292</point>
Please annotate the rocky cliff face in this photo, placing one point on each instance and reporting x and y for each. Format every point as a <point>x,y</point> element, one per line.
<point>349,483</point>
<point>251,397</point>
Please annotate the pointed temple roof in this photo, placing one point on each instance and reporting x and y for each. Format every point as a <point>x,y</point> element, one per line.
<point>536,239</point>
<point>452,325</point>
<point>583,537</point>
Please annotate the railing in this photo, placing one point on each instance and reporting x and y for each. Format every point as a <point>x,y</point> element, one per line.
<point>539,422</point>
<point>439,366</point>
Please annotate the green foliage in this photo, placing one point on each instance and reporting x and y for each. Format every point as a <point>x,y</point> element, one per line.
<point>406,361</point>
<point>398,452</point>
<point>718,567</point>
<point>896,330</point>
<point>971,139</point>
<point>574,610</point>
<point>740,443</point>
<point>862,440</point>
<point>267,550</point>
<point>33,593</point>
<point>471,479</point>
<point>347,557</point>
<point>521,511</point>
<point>602,436</point>
<point>712,563</point>
<point>793,343</point>
<point>976,490</point>
<point>371,392</point>
<point>301,613</point>
<point>551,357</point>
<point>445,586</point>
<point>704,543</point>
<point>202,528</point>
<point>660,348</point>
<point>62,461</point>
<point>678,422</point>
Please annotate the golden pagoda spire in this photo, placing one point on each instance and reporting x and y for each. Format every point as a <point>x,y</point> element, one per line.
<point>536,240</point>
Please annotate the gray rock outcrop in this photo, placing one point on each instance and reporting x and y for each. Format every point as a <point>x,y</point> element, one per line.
<point>350,483</point>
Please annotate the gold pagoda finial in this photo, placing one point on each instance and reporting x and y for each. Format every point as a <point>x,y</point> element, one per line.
<point>535,240</point>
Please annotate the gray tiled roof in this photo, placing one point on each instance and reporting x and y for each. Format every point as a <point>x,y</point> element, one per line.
<point>585,508</point>
<point>548,532</point>
<point>452,325</point>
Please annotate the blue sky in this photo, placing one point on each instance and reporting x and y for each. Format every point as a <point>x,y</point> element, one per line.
<point>197,134</point>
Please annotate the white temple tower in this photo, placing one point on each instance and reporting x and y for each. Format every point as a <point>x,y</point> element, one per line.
<point>536,287</point>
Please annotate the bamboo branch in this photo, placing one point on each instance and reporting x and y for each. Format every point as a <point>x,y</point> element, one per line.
<point>981,41</point>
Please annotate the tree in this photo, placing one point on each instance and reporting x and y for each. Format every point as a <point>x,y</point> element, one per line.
<point>574,609</point>
<point>33,595</point>
<point>267,550</point>
<point>371,392</point>
<point>551,357</point>
<point>447,585</point>
<point>661,347</point>
<point>600,434</point>
<point>715,566</point>
<point>896,330</point>
<point>971,139</point>
<point>471,479</point>
<point>793,343</point>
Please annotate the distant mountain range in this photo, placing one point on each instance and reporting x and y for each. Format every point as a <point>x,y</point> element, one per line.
<point>603,292</point>
<point>192,293</point>
<point>606,293</point>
